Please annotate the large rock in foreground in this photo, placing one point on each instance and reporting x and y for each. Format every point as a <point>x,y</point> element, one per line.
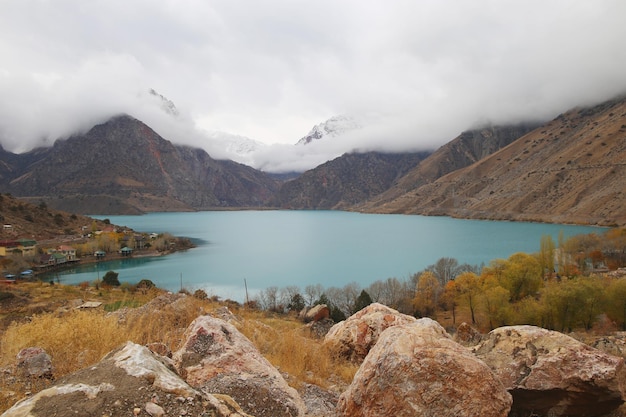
<point>353,338</point>
<point>217,358</point>
<point>418,370</point>
<point>128,381</point>
<point>549,373</point>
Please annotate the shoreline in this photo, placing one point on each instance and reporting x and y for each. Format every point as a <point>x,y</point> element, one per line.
<point>182,244</point>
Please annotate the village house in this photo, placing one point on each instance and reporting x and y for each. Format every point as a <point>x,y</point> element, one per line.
<point>68,251</point>
<point>9,247</point>
<point>23,247</point>
<point>52,259</point>
<point>27,246</point>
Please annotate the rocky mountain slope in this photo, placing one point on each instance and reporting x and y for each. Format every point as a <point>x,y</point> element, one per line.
<point>571,169</point>
<point>123,166</point>
<point>461,152</point>
<point>345,181</point>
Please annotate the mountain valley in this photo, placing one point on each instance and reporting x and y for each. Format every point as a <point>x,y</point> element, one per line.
<point>569,170</point>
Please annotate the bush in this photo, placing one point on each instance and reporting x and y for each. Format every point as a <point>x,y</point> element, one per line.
<point>110,278</point>
<point>201,295</point>
<point>145,284</point>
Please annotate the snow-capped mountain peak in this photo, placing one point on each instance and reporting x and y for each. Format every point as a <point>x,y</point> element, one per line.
<point>333,127</point>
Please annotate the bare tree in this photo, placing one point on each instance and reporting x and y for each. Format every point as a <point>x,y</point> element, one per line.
<point>445,270</point>
<point>313,293</point>
<point>268,298</point>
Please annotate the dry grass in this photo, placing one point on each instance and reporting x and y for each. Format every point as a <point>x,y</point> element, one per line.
<point>290,347</point>
<point>79,338</point>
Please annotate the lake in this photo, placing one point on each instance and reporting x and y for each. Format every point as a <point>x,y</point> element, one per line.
<point>331,248</point>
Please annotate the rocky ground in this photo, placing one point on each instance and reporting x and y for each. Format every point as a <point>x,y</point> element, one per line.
<point>407,367</point>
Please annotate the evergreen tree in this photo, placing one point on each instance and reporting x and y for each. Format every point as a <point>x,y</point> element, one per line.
<point>362,301</point>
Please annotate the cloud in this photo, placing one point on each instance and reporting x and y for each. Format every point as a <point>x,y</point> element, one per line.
<point>418,72</point>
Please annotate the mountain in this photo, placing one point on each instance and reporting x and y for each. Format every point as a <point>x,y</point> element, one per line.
<point>123,166</point>
<point>345,181</point>
<point>569,170</point>
<point>333,127</point>
<point>461,152</point>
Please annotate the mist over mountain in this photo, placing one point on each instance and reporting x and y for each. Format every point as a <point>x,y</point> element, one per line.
<point>568,170</point>
<point>123,166</point>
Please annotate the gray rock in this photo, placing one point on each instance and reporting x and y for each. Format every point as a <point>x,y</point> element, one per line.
<point>549,373</point>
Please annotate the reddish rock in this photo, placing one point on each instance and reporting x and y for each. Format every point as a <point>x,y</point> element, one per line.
<point>353,338</point>
<point>315,313</point>
<point>217,358</point>
<point>160,349</point>
<point>34,362</point>
<point>550,373</point>
<point>467,335</point>
<point>418,370</point>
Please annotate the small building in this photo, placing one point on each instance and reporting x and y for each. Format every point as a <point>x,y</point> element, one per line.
<point>126,251</point>
<point>68,251</point>
<point>58,258</point>
<point>99,254</point>
<point>8,247</point>
<point>27,246</point>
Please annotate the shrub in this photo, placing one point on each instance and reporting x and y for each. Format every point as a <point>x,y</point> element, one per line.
<point>110,278</point>
<point>201,295</point>
<point>145,284</point>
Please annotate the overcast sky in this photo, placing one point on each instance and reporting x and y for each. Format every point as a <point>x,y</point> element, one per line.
<point>418,72</point>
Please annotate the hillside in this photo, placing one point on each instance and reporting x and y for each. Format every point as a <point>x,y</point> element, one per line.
<point>39,222</point>
<point>346,181</point>
<point>569,170</point>
<point>461,152</point>
<point>123,166</point>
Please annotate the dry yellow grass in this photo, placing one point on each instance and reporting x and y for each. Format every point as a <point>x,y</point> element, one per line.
<point>290,347</point>
<point>76,339</point>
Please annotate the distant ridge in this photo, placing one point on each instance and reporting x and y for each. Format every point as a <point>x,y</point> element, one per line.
<point>570,170</point>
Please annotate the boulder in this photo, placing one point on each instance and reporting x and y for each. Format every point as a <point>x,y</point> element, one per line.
<point>315,313</point>
<point>217,358</point>
<point>549,373</point>
<point>417,369</point>
<point>353,338</point>
<point>320,328</point>
<point>34,362</point>
<point>614,344</point>
<point>126,382</point>
<point>467,335</point>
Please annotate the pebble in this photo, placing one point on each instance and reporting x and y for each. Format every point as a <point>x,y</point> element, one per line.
<point>154,410</point>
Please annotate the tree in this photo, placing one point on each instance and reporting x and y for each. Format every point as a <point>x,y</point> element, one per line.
<point>546,255</point>
<point>448,298</point>
<point>616,302</point>
<point>495,303</point>
<point>393,293</point>
<point>110,278</point>
<point>426,294</point>
<point>335,312</point>
<point>521,275</point>
<point>468,284</point>
<point>445,270</point>
<point>296,303</point>
<point>312,293</point>
<point>362,301</point>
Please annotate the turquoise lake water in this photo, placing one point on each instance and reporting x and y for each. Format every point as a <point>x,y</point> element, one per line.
<point>331,248</point>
